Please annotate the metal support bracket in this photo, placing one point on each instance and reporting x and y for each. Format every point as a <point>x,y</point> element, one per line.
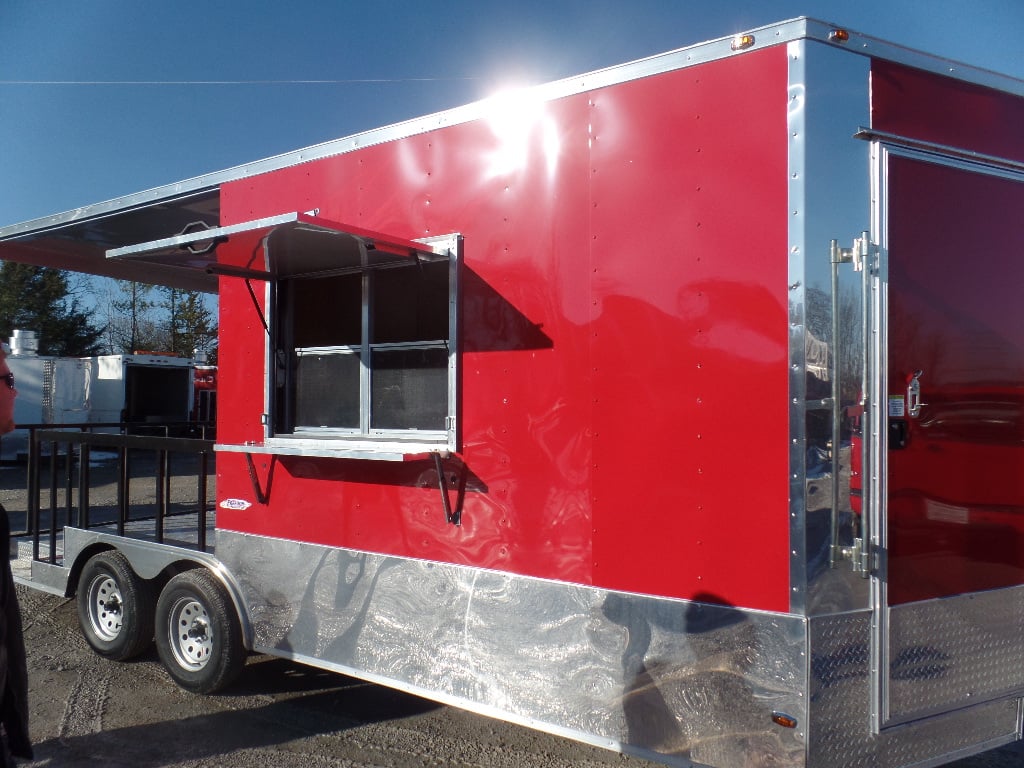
<point>453,517</point>
<point>261,497</point>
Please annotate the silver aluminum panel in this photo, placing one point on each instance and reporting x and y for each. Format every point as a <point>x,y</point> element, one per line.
<point>841,733</point>
<point>955,651</point>
<point>670,679</point>
<point>829,198</point>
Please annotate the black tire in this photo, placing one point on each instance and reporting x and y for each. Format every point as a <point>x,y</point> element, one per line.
<point>198,634</point>
<point>115,607</point>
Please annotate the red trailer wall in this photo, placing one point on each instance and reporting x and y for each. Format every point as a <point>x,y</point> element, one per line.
<point>624,405</point>
<point>955,506</point>
<point>920,105</point>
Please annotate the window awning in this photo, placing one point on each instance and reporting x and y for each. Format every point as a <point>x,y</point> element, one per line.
<point>80,239</point>
<point>294,245</point>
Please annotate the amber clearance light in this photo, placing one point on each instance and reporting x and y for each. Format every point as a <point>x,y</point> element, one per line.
<point>838,36</point>
<point>781,718</point>
<point>742,42</point>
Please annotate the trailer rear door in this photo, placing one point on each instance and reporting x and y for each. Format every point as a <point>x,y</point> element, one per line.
<point>951,447</point>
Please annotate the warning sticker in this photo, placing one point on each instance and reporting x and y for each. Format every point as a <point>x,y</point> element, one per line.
<point>897,406</point>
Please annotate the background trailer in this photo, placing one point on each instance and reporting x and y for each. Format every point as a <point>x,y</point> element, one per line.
<point>51,390</point>
<point>134,389</point>
<point>141,388</point>
<point>675,407</point>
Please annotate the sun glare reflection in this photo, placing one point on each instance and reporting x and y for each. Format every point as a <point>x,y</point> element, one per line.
<point>521,124</point>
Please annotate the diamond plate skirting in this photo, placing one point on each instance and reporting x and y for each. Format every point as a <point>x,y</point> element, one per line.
<point>953,652</point>
<point>840,732</point>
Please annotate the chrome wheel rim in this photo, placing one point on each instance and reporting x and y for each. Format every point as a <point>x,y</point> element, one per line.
<point>190,634</point>
<point>106,608</point>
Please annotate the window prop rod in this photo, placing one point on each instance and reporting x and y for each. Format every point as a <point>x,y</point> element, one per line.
<point>256,301</point>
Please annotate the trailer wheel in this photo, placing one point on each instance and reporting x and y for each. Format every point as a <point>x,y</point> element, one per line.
<point>115,607</point>
<point>198,634</point>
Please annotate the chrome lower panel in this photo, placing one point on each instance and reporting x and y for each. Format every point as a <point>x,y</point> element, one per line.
<point>676,681</point>
<point>840,732</point>
<point>953,652</point>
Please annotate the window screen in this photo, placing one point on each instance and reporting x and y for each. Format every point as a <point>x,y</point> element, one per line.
<point>366,352</point>
<point>327,390</point>
<point>410,389</point>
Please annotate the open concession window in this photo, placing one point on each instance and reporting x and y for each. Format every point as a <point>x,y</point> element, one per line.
<point>361,333</point>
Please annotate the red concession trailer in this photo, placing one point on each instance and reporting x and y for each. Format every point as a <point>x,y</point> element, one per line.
<point>677,407</point>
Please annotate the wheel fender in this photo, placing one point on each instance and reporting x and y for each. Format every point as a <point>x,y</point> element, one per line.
<point>149,560</point>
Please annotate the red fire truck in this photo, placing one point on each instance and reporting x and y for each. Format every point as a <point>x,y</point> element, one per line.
<point>541,406</point>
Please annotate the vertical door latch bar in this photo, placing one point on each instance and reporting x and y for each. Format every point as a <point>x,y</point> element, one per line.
<point>857,554</point>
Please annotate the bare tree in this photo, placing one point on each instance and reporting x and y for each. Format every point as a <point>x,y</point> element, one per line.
<point>131,323</point>
<point>191,324</point>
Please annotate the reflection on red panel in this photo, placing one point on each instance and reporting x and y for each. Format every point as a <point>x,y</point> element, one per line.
<point>956,469</point>
<point>927,107</point>
<point>623,331</point>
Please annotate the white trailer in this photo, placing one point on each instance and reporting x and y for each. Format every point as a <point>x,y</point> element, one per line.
<point>51,390</point>
<point>141,388</point>
<point>105,389</point>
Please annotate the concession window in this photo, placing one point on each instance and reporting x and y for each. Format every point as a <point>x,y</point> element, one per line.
<point>361,350</point>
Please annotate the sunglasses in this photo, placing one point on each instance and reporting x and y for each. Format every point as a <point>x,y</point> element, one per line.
<point>8,379</point>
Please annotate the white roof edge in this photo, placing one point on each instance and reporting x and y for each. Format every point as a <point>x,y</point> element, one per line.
<point>766,36</point>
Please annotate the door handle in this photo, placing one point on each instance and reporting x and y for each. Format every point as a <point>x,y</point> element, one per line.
<point>914,403</point>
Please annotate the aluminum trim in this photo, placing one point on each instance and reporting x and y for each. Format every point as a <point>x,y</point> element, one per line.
<point>269,345</point>
<point>796,133</point>
<point>168,193</point>
<point>876,453</point>
<point>526,722</point>
<point>176,241</point>
<point>339,448</point>
<point>948,153</point>
<point>873,47</point>
<point>950,157</point>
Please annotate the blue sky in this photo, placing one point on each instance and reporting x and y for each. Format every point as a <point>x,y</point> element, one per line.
<point>100,98</point>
